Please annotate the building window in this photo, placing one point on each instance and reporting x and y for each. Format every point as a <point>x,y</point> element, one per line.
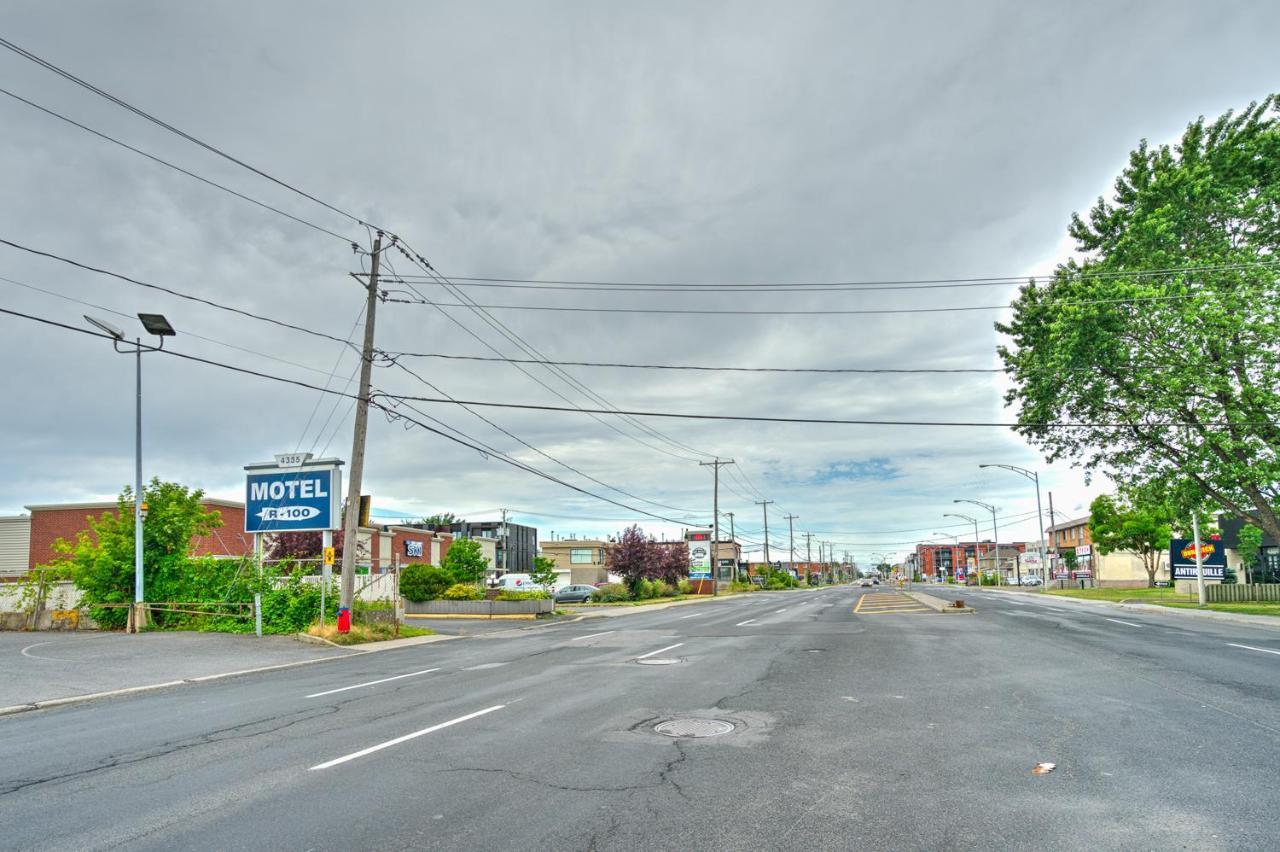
<point>580,556</point>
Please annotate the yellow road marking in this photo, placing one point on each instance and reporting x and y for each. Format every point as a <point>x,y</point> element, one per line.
<point>876,603</point>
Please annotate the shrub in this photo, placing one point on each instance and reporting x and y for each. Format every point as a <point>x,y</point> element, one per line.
<point>508,595</point>
<point>423,582</point>
<point>684,587</point>
<point>741,586</point>
<point>663,589</point>
<point>611,592</point>
<point>463,592</point>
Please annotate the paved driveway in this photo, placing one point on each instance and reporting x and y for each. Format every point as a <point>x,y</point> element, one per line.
<point>44,665</point>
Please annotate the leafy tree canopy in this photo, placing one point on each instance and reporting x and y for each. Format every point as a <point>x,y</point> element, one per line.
<point>1185,361</point>
<point>441,520</point>
<point>1144,530</point>
<point>100,560</point>
<point>544,571</point>
<point>465,561</point>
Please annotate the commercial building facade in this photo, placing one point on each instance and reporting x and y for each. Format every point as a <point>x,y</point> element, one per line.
<point>959,558</point>
<point>584,559</point>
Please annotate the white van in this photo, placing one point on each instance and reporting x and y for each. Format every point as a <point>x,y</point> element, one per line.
<point>517,583</point>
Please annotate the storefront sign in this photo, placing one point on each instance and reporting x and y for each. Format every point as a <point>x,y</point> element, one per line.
<point>292,499</point>
<point>413,549</point>
<point>1182,559</point>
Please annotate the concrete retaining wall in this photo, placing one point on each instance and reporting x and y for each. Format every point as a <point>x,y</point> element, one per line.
<point>479,609</point>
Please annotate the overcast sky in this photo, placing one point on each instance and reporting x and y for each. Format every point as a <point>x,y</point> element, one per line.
<point>682,142</point>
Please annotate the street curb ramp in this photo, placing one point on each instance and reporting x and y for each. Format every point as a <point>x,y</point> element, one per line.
<point>938,604</point>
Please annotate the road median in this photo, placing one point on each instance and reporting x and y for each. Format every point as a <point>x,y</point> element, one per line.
<point>939,604</point>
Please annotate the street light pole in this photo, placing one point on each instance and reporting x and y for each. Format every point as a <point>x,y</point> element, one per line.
<point>977,545</point>
<point>995,532</point>
<point>1040,548</point>
<point>157,325</point>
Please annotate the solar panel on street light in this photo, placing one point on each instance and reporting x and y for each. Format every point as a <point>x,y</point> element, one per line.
<point>105,326</point>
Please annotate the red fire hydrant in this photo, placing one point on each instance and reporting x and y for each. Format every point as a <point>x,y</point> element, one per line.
<point>344,620</point>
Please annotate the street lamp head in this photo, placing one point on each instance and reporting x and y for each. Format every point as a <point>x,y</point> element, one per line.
<point>103,325</point>
<point>156,324</point>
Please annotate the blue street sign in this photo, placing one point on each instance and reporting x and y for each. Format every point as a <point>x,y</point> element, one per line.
<point>292,499</point>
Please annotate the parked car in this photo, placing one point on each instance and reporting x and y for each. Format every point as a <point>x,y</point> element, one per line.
<point>1032,581</point>
<point>575,594</point>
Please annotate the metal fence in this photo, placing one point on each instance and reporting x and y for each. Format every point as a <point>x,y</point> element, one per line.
<point>1220,593</point>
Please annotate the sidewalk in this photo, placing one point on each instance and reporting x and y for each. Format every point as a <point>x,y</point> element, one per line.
<point>1267,622</point>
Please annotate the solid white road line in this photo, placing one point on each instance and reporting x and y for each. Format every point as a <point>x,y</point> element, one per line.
<point>690,615</point>
<point>660,650</point>
<point>1251,648</point>
<point>592,636</point>
<point>745,623</point>
<point>1126,623</point>
<point>372,683</point>
<point>380,746</point>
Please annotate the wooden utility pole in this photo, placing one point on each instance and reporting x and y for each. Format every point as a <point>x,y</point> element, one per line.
<point>715,521</point>
<point>351,516</point>
<point>765,504</point>
<point>791,534</point>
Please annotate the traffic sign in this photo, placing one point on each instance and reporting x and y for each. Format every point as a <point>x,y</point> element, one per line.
<point>329,554</point>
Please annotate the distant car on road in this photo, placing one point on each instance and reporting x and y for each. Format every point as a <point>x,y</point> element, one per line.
<point>572,594</point>
<point>866,584</point>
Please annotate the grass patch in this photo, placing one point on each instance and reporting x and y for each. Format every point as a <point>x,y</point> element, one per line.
<point>366,633</point>
<point>1168,597</point>
<point>1245,607</point>
<point>1157,595</point>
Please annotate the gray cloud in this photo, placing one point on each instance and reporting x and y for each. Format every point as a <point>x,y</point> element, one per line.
<point>677,142</point>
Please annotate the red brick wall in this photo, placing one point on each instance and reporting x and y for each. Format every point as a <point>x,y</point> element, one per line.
<point>48,525</point>
<point>399,537</point>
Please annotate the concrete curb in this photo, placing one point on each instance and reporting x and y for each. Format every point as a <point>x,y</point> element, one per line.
<point>938,604</point>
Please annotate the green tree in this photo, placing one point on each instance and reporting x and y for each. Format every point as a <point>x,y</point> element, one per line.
<point>1144,530</point>
<point>100,560</point>
<point>441,520</point>
<point>544,571</point>
<point>465,561</point>
<point>1250,548</point>
<point>1167,378</point>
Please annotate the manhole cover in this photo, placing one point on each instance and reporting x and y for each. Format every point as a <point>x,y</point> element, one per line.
<point>653,662</point>
<point>694,727</point>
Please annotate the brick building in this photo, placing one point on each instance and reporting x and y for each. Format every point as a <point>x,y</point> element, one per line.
<point>936,560</point>
<point>66,520</point>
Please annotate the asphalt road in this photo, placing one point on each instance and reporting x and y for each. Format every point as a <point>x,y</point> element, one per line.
<point>886,729</point>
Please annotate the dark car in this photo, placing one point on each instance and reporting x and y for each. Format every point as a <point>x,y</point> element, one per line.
<point>575,594</point>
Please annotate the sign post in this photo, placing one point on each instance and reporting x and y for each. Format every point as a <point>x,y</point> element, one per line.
<point>295,493</point>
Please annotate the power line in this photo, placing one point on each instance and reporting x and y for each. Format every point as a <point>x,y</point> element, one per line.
<point>176,168</point>
<point>185,333</point>
<point>170,290</point>
<point>870,285</point>
<point>810,420</point>
<point>67,75</point>
<point>542,453</point>
<point>391,412</point>
<point>786,312</point>
<point>511,337</point>
<point>716,369</point>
